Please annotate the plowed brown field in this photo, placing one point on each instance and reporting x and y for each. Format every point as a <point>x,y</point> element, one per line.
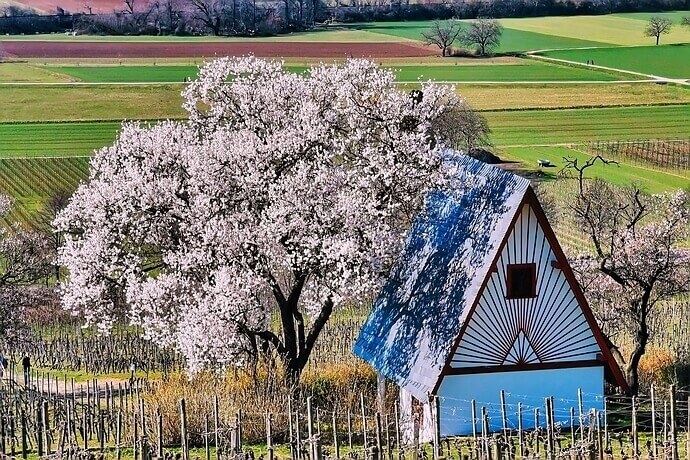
<point>48,49</point>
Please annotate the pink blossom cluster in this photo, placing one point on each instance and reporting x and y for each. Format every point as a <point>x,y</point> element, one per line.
<point>190,228</point>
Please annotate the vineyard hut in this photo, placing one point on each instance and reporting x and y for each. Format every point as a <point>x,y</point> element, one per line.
<point>482,302</point>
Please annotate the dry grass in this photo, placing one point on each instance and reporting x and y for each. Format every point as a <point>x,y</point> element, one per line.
<point>496,97</point>
<point>653,366</point>
<point>257,392</point>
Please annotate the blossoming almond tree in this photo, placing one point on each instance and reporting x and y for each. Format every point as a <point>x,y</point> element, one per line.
<point>283,195</point>
<point>639,255</point>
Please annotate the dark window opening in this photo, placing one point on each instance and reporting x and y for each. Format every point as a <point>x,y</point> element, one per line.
<point>521,281</point>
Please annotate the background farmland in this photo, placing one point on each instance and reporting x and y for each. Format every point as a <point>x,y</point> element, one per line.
<point>556,87</point>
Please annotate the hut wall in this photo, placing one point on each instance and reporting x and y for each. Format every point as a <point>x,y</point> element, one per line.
<point>528,387</point>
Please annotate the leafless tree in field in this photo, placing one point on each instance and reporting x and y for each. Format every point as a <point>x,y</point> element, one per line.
<point>658,26</point>
<point>485,34</point>
<point>464,128</point>
<point>685,21</point>
<point>638,259</point>
<point>442,34</point>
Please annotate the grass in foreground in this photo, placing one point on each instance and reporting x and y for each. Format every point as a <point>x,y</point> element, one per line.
<point>672,61</point>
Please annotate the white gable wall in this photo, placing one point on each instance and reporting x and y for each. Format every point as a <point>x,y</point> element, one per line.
<point>524,390</point>
<point>548,328</point>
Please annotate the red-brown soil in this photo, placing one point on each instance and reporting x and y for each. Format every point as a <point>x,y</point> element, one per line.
<point>56,49</point>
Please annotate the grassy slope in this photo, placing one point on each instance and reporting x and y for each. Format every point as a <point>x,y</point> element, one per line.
<point>674,16</point>
<point>55,139</point>
<point>512,40</point>
<point>72,103</point>
<point>584,125</point>
<point>614,29</point>
<point>517,127</point>
<point>671,61</point>
<point>57,103</point>
<point>651,180</point>
<point>30,181</point>
<point>526,70</point>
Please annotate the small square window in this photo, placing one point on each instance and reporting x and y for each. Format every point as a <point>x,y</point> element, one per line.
<point>521,280</point>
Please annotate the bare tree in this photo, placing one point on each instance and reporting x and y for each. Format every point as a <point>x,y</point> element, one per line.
<point>685,21</point>
<point>209,13</point>
<point>54,238</point>
<point>658,26</point>
<point>464,128</point>
<point>483,33</point>
<point>129,7</point>
<point>442,34</point>
<point>638,258</point>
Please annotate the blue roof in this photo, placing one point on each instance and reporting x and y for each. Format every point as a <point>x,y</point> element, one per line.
<point>433,284</point>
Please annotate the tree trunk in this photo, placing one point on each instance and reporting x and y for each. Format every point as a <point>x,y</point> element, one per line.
<point>296,359</point>
<point>640,340</point>
<point>657,40</point>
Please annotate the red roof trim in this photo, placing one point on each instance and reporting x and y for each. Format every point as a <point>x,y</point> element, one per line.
<point>531,198</point>
<point>564,266</point>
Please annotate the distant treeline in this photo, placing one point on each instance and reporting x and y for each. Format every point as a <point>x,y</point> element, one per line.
<point>261,17</point>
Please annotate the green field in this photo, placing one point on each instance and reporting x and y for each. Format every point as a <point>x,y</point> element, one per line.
<point>672,61</point>
<point>30,181</point>
<point>510,128</point>
<point>512,40</point>
<point>58,103</point>
<point>530,127</point>
<point>48,130</point>
<point>116,102</point>
<point>55,139</point>
<point>649,179</point>
<point>522,70</point>
<point>615,29</point>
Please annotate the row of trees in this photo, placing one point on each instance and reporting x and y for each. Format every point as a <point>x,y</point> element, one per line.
<point>484,34</point>
<point>251,17</point>
<point>173,17</point>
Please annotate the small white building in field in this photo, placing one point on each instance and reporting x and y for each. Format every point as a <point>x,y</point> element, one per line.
<point>482,299</point>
